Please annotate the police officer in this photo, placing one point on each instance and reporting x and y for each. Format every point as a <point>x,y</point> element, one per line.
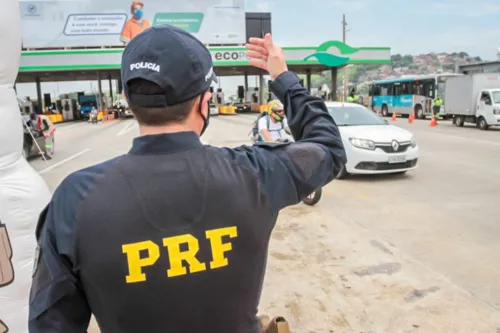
<point>173,236</point>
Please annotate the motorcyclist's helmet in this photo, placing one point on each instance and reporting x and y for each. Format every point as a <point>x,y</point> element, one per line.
<point>275,109</point>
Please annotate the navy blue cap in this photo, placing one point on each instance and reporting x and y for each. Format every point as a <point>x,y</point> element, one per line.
<point>173,59</point>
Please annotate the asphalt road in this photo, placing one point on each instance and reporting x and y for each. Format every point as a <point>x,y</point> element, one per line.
<point>444,216</point>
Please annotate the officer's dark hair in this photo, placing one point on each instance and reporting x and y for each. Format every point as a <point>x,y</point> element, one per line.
<point>157,116</point>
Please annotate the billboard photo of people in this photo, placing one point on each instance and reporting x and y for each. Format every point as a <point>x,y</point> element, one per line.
<point>136,24</point>
<point>94,23</point>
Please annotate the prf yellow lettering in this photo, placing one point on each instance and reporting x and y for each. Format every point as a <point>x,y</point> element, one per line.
<point>218,247</point>
<point>136,263</point>
<point>176,256</point>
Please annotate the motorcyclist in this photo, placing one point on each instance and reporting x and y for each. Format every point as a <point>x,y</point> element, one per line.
<point>273,127</point>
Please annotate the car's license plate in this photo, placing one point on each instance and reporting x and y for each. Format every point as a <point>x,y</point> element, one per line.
<point>397,159</point>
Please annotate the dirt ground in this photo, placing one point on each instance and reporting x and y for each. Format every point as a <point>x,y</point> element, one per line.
<point>340,279</point>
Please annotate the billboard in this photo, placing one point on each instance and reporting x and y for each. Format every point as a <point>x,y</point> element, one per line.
<point>74,23</point>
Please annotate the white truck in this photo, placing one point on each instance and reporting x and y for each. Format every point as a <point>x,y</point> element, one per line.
<point>474,99</point>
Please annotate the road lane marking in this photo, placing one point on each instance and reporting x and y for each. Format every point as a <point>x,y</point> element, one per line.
<point>67,127</point>
<point>130,126</point>
<point>66,160</point>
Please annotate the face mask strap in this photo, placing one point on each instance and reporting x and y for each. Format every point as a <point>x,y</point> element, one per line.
<point>205,119</point>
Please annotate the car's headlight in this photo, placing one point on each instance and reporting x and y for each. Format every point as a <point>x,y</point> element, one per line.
<point>413,142</point>
<point>362,143</point>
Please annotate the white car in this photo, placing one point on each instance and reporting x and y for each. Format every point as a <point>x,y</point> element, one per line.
<point>372,145</point>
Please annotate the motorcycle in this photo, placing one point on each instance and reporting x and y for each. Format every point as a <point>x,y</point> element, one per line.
<point>313,198</point>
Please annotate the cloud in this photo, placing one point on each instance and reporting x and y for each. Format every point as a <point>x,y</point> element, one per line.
<point>466,8</point>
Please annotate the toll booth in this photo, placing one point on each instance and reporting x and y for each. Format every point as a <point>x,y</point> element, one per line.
<point>86,64</point>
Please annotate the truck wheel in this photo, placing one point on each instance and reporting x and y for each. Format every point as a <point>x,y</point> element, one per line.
<point>482,124</point>
<point>419,112</point>
<point>385,111</point>
<point>459,121</point>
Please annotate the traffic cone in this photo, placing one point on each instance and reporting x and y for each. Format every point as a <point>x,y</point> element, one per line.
<point>411,118</point>
<point>433,121</point>
<point>394,117</point>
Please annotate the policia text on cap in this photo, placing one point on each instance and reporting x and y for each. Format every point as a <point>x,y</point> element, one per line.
<point>173,235</point>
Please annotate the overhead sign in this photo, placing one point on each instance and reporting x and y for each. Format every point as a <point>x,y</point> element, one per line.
<point>328,54</point>
<point>84,23</point>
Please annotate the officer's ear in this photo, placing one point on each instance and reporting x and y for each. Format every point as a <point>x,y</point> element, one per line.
<point>205,99</point>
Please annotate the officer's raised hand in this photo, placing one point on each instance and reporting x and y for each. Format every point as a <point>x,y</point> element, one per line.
<point>266,55</point>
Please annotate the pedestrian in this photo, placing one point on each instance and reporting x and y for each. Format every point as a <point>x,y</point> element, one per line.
<point>173,236</point>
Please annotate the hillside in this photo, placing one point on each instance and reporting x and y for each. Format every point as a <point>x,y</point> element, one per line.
<point>401,65</point>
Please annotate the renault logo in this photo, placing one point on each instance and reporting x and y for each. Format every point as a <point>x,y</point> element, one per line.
<point>395,145</point>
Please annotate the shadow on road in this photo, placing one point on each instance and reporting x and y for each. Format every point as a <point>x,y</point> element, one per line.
<point>378,178</point>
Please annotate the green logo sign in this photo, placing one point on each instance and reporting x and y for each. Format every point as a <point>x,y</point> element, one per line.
<point>330,60</point>
<point>190,22</point>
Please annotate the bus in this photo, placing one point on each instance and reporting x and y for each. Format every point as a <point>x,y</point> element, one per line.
<point>408,94</point>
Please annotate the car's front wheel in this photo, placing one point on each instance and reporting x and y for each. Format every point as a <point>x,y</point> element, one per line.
<point>342,173</point>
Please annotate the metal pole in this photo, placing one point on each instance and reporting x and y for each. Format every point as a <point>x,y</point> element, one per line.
<point>344,31</point>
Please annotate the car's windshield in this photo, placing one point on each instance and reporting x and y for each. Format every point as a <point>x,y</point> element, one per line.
<point>354,116</point>
<point>496,97</point>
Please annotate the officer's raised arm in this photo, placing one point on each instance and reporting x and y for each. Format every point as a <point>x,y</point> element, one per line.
<point>289,173</point>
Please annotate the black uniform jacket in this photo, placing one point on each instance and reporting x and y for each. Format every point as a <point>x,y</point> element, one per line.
<point>173,236</point>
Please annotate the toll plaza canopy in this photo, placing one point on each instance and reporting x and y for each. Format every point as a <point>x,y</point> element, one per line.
<point>104,63</point>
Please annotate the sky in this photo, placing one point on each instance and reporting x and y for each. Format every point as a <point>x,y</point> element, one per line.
<point>413,28</point>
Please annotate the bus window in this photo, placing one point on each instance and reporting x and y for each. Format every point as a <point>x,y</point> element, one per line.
<point>429,87</point>
<point>417,88</point>
<point>441,86</point>
<point>386,89</point>
<point>396,91</point>
<point>406,88</point>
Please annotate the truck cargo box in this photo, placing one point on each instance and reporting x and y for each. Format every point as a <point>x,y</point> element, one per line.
<point>462,92</point>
